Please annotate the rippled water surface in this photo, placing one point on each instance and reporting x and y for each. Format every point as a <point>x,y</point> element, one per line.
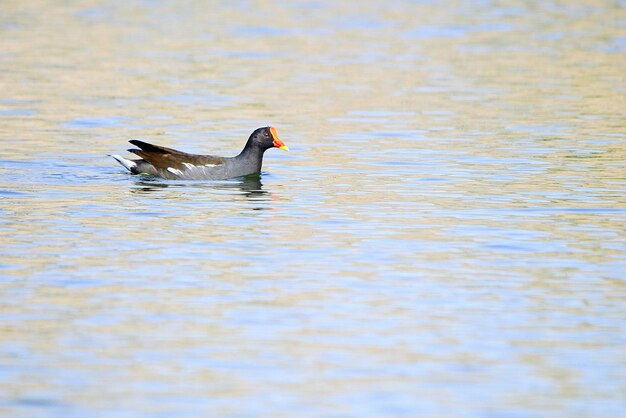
<point>446,237</point>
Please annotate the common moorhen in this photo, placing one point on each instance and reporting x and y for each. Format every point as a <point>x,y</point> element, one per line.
<point>172,164</point>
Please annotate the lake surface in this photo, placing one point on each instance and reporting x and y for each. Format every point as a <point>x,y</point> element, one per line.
<point>446,238</point>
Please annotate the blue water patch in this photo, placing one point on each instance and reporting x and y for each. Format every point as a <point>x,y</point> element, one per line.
<point>379,113</point>
<point>616,45</point>
<point>93,15</point>
<point>359,22</point>
<point>9,193</point>
<point>18,112</point>
<point>560,130</point>
<point>199,99</point>
<point>38,403</point>
<point>437,32</point>
<point>17,164</point>
<point>11,101</point>
<point>95,122</point>
<point>254,31</point>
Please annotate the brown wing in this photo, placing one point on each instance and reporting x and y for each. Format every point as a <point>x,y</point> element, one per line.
<point>163,158</point>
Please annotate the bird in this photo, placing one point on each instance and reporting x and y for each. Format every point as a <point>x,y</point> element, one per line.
<point>172,164</point>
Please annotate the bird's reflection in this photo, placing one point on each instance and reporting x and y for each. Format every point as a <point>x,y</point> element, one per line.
<point>249,186</point>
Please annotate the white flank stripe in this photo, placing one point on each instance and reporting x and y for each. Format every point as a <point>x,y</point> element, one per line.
<point>175,171</point>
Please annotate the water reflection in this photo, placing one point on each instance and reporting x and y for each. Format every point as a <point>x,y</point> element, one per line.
<point>249,186</point>
<point>452,213</point>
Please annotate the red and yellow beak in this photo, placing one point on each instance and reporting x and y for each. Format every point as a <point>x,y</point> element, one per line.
<point>277,142</point>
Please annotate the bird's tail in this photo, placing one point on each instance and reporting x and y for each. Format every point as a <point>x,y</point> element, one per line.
<point>126,163</point>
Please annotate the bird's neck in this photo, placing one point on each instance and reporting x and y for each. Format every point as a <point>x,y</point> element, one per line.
<point>251,152</point>
<point>251,149</point>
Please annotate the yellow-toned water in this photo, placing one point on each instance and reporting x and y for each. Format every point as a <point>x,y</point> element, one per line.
<point>446,237</point>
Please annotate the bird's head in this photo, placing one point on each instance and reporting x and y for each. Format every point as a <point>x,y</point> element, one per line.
<point>266,138</point>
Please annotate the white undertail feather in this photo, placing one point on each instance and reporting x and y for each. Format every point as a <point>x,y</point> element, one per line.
<point>128,164</point>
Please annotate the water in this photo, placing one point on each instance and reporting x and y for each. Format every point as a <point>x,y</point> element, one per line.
<point>445,238</point>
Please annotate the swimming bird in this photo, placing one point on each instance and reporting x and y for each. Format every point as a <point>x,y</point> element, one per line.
<point>172,164</point>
